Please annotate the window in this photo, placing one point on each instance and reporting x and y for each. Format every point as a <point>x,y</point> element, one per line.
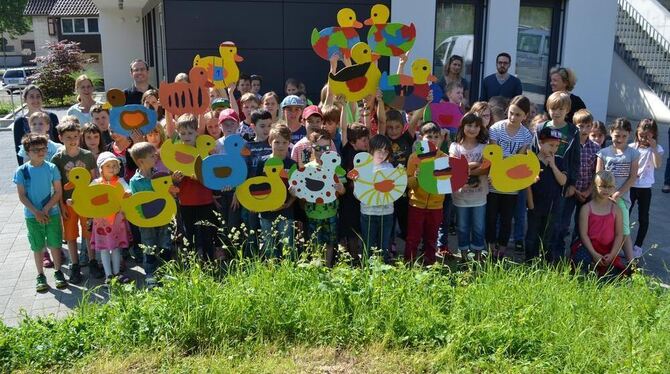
<point>5,47</point>
<point>79,25</point>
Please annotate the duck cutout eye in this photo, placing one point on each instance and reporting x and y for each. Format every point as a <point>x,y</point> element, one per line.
<point>425,68</point>
<point>274,170</point>
<point>374,14</point>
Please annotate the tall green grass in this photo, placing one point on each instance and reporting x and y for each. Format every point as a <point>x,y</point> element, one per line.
<point>501,316</point>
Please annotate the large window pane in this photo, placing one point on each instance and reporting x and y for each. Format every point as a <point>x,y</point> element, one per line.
<point>79,25</point>
<point>92,25</point>
<point>454,35</point>
<point>532,51</point>
<point>66,25</point>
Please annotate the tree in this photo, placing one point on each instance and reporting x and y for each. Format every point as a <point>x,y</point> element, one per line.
<point>12,21</point>
<point>55,73</point>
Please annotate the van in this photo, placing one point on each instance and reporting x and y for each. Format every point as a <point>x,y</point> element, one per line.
<point>532,57</point>
<point>17,78</point>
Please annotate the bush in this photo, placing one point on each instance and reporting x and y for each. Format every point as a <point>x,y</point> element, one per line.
<point>500,318</point>
<point>56,71</point>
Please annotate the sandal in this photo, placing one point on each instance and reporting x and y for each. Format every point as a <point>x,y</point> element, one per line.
<point>666,188</point>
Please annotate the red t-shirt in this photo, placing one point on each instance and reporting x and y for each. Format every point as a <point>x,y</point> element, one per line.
<point>193,193</point>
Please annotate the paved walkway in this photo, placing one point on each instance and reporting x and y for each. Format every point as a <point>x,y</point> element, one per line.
<point>17,271</point>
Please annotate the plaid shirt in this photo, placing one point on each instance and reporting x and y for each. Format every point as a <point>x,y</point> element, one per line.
<point>587,165</point>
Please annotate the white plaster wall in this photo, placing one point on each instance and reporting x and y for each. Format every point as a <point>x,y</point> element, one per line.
<point>502,24</point>
<point>41,35</point>
<point>588,50</point>
<point>655,14</point>
<point>422,14</point>
<point>122,41</point>
<point>630,97</point>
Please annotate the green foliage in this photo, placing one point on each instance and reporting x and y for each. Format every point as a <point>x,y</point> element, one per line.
<point>496,318</point>
<point>55,71</point>
<point>5,108</point>
<point>12,21</point>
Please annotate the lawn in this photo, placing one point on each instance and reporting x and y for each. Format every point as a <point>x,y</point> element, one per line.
<point>288,317</point>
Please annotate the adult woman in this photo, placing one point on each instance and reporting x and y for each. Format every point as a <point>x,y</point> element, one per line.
<point>452,73</point>
<point>564,79</point>
<point>83,86</point>
<point>32,96</point>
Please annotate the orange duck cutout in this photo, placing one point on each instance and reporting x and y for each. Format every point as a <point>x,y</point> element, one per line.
<point>123,119</point>
<point>181,97</point>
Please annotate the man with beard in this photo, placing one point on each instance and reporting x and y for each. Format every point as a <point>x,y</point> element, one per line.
<point>501,83</point>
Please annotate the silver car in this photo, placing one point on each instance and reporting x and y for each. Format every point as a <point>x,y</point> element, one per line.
<point>17,78</point>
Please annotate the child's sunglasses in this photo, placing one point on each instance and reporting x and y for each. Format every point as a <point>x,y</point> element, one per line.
<point>321,148</point>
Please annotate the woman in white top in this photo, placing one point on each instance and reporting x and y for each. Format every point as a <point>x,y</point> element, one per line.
<point>83,86</point>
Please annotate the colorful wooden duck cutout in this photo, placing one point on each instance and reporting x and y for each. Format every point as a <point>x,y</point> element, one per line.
<point>513,173</point>
<point>446,115</point>
<point>337,39</point>
<point>408,93</point>
<point>316,184</point>
<point>93,201</point>
<point>379,187</point>
<point>388,39</point>
<point>264,193</point>
<point>152,208</point>
<point>125,118</point>
<point>181,97</point>
<point>228,170</point>
<point>357,81</point>
<point>440,175</point>
<point>222,70</point>
<point>182,157</point>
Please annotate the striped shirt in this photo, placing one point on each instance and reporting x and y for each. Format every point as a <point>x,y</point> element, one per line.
<point>510,144</point>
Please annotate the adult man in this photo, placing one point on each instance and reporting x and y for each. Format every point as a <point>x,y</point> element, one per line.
<point>501,83</point>
<point>139,70</point>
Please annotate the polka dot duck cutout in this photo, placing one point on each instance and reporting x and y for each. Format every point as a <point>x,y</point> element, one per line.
<point>123,119</point>
<point>316,183</point>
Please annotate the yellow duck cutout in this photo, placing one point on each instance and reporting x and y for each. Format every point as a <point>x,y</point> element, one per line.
<point>379,187</point>
<point>223,70</point>
<point>152,208</point>
<point>93,201</point>
<point>408,93</point>
<point>513,173</point>
<point>181,157</point>
<point>264,193</point>
<point>357,81</point>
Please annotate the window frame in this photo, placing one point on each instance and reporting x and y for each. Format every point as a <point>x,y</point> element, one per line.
<point>72,21</point>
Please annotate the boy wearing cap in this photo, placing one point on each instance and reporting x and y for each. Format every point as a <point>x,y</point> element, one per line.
<point>72,156</point>
<point>230,123</point>
<point>292,107</point>
<point>313,120</point>
<point>544,194</point>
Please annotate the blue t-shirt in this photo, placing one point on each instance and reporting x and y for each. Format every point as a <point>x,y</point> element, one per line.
<point>257,150</point>
<point>38,183</point>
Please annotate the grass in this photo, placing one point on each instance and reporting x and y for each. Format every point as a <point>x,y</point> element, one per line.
<point>303,317</point>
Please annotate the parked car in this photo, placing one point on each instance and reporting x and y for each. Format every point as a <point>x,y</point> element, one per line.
<point>17,78</point>
<point>532,55</point>
<point>461,45</point>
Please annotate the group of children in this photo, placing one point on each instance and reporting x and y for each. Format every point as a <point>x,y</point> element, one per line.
<point>582,175</point>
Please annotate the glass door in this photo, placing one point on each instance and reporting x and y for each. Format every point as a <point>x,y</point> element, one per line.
<point>537,47</point>
<point>458,32</point>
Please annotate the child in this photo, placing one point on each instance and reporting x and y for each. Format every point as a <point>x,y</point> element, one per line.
<point>482,109</point>
<point>100,117</point>
<point>119,147</point>
<point>292,107</point>
<point>39,123</point>
<point>558,105</point>
<point>244,85</point>
<point>313,120</point>
<point>277,226</point>
<point>68,158</point>
<point>39,189</point>
<point>256,82</point>
<point>651,158</point>
<point>212,126</point>
<point>110,234</point>
<point>249,103</point>
<point>377,220</point>
<point>157,239</point>
<point>513,138</point>
<point>322,218</point>
<point>196,202</point>
<point>499,107</point>
<point>331,123</point>
<point>599,134</point>
<point>91,140</point>
<point>150,99</point>
<point>291,86</point>
<point>470,200</point>
<point>425,209</point>
<point>270,102</point>
<point>543,195</point>
<point>230,214</point>
<point>600,229</point>
<point>623,162</point>
<point>587,168</point>
<point>156,137</point>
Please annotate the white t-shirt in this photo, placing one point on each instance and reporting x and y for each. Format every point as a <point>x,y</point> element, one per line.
<point>645,170</point>
<point>474,193</point>
<point>619,164</point>
<point>510,144</point>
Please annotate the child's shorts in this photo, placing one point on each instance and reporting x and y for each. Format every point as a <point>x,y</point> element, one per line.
<point>324,231</point>
<point>72,223</point>
<point>44,235</point>
<point>625,216</point>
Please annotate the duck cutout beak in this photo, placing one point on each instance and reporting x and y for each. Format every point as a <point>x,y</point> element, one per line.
<point>68,186</point>
<point>486,164</point>
<point>369,22</point>
<point>173,190</point>
<point>245,151</point>
<point>238,58</point>
<point>353,174</point>
<point>209,84</point>
<point>432,78</point>
<point>283,174</point>
<point>375,56</point>
<point>358,24</point>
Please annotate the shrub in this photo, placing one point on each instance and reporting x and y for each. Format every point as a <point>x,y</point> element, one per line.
<point>56,70</point>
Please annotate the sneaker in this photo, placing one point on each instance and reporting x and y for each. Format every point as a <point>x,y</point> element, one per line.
<point>46,260</point>
<point>123,279</point>
<point>75,274</point>
<point>109,279</point>
<point>41,285</point>
<point>61,283</point>
<point>83,258</point>
<point>444,252</point>
<point>637,252</point>
<point>150,281</point>
<point>519,246</point>
<point>666,188</point>
<point>94,270</point>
